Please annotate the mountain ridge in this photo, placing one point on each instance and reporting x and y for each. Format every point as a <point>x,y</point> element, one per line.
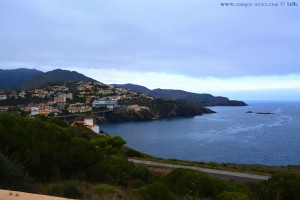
<point>23,78</point>
<point>184,96</point>
<point>57,75</point>
<point>31,78</point>
<point>13,77</point>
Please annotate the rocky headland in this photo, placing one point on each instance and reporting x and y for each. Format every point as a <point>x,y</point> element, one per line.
<point>157,109</point>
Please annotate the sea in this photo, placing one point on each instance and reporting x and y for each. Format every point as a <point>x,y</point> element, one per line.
<point>231,135</point>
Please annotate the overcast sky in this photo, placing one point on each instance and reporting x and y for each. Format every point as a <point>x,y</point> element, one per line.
<point>200,46</point>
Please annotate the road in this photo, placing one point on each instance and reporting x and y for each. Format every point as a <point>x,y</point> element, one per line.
<point>229,175</point>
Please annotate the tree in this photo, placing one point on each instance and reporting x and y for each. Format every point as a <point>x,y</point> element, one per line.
<point>108,145</point>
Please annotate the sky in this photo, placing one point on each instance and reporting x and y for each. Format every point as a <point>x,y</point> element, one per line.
<point>242,52</point>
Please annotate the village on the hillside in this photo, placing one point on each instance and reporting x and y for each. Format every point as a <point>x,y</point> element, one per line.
<point>67,99</point>
<point>72,97</point>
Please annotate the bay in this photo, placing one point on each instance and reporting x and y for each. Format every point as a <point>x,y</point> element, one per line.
<point>229,136</point>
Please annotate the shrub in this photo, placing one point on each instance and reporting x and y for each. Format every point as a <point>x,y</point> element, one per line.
<point>283,186</point>
<point>185,182</point>
<point>188,182</point>
<point>133,153</point>
<point>67,189</point>
<point>48,152</point>
<point>142,173</point>
<point>137,183</point>
<point>108,144</point>
<point>58,122</point>
<point>12,176</point>
<point>155,191</point>
<point>103,189</point>
<point>232,196</point>
<point>115,170</point>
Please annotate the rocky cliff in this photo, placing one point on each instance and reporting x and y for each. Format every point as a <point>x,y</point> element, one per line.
<point>159,109</point>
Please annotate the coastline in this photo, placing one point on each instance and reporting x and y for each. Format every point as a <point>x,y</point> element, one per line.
<point>229,136</point>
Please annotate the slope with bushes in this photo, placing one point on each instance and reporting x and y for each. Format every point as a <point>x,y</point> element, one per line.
<point>47,156</point>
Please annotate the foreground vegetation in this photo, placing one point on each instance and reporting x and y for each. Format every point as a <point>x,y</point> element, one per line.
<point>47,156</point>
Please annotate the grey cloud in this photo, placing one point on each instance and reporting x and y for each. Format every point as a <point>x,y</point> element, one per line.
<point>187,37</point>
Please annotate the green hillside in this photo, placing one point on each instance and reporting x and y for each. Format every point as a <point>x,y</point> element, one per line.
<point>47,156</point>
<point>14,77</point>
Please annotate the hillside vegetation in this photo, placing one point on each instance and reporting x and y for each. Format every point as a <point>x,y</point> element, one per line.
<point>15,77</point>
<point>30,78</point>
<point>47,156</point>
<point>184,96</point>
<point>55,76</point>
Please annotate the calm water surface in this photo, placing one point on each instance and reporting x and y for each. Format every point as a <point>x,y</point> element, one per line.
<point>231,135</point>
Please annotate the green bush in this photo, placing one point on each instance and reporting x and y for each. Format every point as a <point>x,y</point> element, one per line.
<point>137,183</point>
<point>55,190</point>
<point>185,182</point>
<point>155,191</point>
<point>142,173</point>
<point>58,122</point>
<point>232,196</point>
<point>132,153</point>
<point>103,189</point>
<point>283,186</point>
<point>67,189</point>
<point>109,145</point>
<point>51,152</point>
<point>12,176</point>
<point>188,182</point>
<point>115,170</point>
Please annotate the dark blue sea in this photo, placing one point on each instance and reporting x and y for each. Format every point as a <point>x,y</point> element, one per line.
<point>229,136</point>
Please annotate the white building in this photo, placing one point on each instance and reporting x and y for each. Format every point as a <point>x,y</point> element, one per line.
<point>95,128</point>
<point>110,104</point>
<point>34,111</point>
<point>3,96</point>
<point>89,121</point>
<point>22,94</point>
<point>62,97</point>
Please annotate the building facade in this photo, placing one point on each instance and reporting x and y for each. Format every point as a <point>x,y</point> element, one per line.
<point>110,104</point>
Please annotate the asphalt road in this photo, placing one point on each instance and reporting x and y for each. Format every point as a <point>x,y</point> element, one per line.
<point>229,175</point>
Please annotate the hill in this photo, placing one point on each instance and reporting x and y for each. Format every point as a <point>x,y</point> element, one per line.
<point>55,76</point>
<point>184,96</point>
<point>14,77</point>
<point>47,156</point>
<point>134,87</point>
<point>30,78</point>
<point>156,109</point>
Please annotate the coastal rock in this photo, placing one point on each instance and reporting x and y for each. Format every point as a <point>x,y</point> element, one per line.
<point>158,109</point>
<point>264,113</point>
<point>260,113</point>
